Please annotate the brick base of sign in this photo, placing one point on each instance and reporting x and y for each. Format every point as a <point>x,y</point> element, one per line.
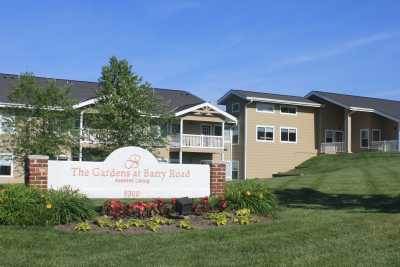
<point>37,171</point>
<point>217,179</point>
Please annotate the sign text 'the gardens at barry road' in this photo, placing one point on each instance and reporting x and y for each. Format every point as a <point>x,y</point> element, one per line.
<point>131,172</point>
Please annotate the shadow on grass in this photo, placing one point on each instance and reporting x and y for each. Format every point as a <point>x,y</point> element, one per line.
<point>312,199</point>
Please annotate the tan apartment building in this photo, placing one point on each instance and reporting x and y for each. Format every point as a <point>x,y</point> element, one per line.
<point>274,134</point>
<point>257,135</point>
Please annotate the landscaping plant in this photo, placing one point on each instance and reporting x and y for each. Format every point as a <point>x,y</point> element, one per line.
<point>103,222</point>
<point>114,208</point>
<point>185,224</point>
<point>251,194</point>
<point>136,223</point>
<point>120,225</point>
<point>83,227</point>
<point>24,205</point>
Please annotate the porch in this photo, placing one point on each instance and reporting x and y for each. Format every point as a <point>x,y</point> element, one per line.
<point>361,131</point>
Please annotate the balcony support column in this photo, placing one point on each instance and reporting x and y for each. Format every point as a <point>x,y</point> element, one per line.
<point>347,130</point>
<point>80,135</point>
<point>180,140</point>
<point>223,141</point>
<point>398,136</point>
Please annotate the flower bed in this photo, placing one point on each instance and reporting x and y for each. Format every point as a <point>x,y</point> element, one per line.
<point>109,225</point>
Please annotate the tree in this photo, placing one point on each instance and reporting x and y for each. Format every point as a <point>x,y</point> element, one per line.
<point>128,109</point>
<point>44,122</point>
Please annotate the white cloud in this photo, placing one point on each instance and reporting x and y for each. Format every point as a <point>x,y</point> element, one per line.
<point>339,49</point>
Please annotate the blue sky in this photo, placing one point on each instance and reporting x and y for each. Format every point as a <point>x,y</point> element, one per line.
<point>208,47</point>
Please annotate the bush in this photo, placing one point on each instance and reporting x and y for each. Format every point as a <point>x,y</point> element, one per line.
<point>251,194</point>
<point>69,206</point>
<point>24,205</point>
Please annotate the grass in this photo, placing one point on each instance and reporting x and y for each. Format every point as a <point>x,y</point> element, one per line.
<point>343,211</point>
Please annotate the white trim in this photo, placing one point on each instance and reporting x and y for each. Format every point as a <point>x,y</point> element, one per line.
<point>265,126</point>
<point>265,111</point>
<point>288,128</point>
<point>288,106</point>
<point>206,104</point>
<point>364,130</point>
<point>286,102</point>
<point>11,166</point>
<point>362,109</point>
<point>245,141</point>
<point>85,103</point>
<point>372,135</point>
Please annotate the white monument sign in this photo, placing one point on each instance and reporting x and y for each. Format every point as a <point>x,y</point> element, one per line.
<point>131,172</point>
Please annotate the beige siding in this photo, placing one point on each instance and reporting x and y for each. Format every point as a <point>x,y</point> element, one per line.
<point>267,158</point>
<point>6,146</point>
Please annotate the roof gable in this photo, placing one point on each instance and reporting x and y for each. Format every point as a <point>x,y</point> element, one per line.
<point>384,107</point>
<point>268,97</point>
<point>85,92</point>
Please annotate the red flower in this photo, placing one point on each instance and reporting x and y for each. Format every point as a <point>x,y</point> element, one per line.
<point>173,201</point>
<point>204,201</point>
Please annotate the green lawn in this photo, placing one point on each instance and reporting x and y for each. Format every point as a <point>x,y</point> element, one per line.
<point>343,211</point>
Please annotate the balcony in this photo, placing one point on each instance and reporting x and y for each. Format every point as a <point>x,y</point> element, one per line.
<point>385,146</point>
<point>197,141</point>
<point>333,148</point>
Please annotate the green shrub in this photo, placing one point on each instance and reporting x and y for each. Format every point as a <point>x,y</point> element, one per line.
<point>251,194</point>
<point>69,206</point>
<point>24,205</point>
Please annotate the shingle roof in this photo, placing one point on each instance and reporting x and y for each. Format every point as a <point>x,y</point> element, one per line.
<point>81,90</point>
<point>244,94</point>
<point>390,108</point>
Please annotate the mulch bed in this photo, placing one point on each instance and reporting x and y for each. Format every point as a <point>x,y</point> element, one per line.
<point>198,222</point>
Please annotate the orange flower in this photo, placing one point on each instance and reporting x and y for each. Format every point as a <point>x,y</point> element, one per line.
<point>49,206</point>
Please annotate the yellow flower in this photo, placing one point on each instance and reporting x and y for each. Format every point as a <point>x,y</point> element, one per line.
<point>49,206</point>
<point>248,193</point>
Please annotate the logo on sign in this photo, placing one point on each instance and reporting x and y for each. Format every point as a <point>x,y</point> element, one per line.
<point>133,162</point>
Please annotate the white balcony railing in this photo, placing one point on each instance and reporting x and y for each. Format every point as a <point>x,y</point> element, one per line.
<point>198,141</point>
<point>333,148</point>
<point>385,146</point>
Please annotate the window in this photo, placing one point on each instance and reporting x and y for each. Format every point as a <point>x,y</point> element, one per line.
<point>334,136</point>
<point>364,138</point>
<point>265,107</point>
<point>265,133</point>
<point>206,129</point>
<point>288,110</point>
<point>217,130</point>
<point>376,135</point>
<point>288,135</point>
<point>235,169</point>
<point>235,107</point>
<point>235,135</point>
<point>6,124</point>
<point>6,165</point>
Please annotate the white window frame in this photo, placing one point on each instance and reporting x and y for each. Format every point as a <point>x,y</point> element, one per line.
<point>288,128</point>
<point>11,166</point>
<point>372,135</point>
<point>364,130</point>
<point>4,118</point>
<point>265,126</point>
<point>334,135</point>
<point>288,106</point>
<point>237,109</point>
<point>238,134</point>
<point>265,111</point>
